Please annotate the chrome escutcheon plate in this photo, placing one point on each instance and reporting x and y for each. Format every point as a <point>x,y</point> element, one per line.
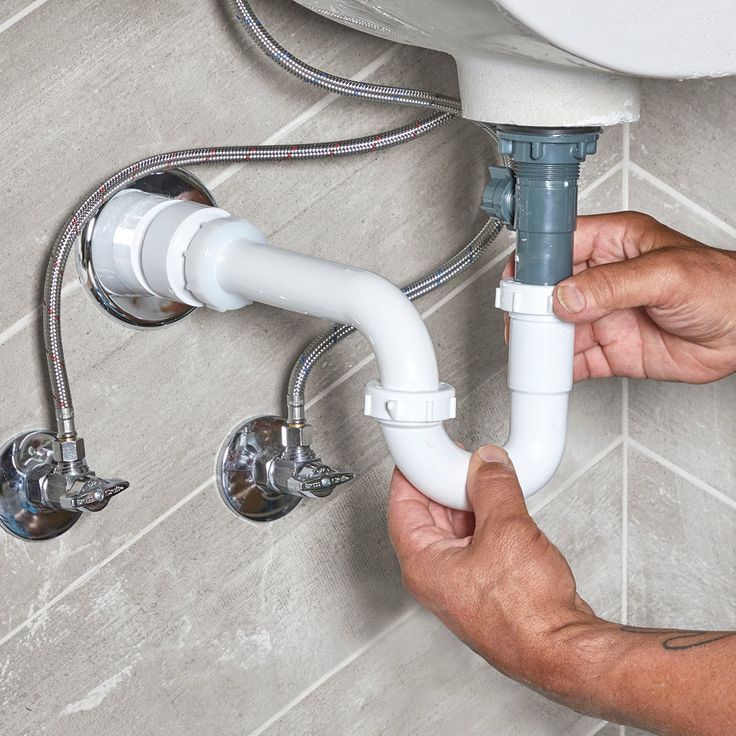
<point>18,514</point>
<point>143,312</point>
<point>236,472</point>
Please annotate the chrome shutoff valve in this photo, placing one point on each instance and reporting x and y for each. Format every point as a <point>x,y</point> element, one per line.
<point>298,471</point>
<point>45,485</point>
<point>267,467</point>
<point>83,493</point>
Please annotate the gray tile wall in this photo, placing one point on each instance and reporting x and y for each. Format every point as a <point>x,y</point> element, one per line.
<point>166,614</point>
<point>681,510</point>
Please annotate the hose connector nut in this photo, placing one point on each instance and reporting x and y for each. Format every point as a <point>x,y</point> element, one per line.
<point>498,196</point>
<point>68,451</point>
<point>296,436</point>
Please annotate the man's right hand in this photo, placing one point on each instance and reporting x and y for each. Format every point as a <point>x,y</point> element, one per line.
<point>649,302</point>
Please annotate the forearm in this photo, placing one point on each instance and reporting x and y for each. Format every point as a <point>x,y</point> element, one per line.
<point>674,683</point>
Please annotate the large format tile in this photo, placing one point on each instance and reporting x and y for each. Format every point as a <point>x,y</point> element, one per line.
<point>222,368</point>
<point>209,624</point>
<point>645,197</point>
<point>263,611</point>
<point>585,522</point>
<point>259,550</point>
<point>690,425</point>
<point>226,367</point>
<point>681,136</point>
<point>682,551</point>
<point>419,679</point>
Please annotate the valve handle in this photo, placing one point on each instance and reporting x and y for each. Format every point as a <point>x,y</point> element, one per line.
<point>94,494</point>
<point>321,484</point>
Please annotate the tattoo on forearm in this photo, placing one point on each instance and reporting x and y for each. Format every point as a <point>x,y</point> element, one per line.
<point>681,640</point>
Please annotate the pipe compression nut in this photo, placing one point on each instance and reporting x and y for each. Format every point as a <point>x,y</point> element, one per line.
<point>516,298</point>
<point>410,407</point>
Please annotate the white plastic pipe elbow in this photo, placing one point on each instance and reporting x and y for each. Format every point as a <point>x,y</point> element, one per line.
<point>202,256</point>
<point>540,381</point>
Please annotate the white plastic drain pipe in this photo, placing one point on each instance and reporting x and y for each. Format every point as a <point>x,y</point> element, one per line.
<point>144,244</point>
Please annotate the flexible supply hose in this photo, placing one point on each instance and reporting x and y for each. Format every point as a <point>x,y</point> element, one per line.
<point>415,290</point>
<point>338,85</point>
<point>163,162</point>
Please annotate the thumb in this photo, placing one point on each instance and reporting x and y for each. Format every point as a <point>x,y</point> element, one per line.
<point>646,281</point>
<point>493,488</point>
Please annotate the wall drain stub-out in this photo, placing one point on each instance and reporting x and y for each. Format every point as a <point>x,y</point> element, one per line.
<point>137,310</point>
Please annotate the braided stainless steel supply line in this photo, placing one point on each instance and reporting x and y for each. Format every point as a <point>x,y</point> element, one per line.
<point>419,288</point>
<point>156,164</point>
<point>339,85</point>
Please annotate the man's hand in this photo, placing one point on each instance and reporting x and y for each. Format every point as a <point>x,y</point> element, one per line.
<point>648,302</point>
<point>492,577</point>
<point>506,591</point>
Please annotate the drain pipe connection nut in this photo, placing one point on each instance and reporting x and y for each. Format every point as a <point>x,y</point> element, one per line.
<point>410,407</point>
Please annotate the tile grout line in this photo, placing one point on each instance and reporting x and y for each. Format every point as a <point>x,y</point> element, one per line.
<point>21,14</point>
<point>335,670</point>
<point>152,525</point>
<point>597,728</point>
<point>576,476</point>
<point>608,174</point>
<point>20,324</point>
<point>88,574</point>
<point>683,199</point>
<point>682,473</point>
<point>625,205</point>
<point>626,165</point>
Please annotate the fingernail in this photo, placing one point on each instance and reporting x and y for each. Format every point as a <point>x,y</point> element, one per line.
<point>571,298</point>
<point>494,454</point>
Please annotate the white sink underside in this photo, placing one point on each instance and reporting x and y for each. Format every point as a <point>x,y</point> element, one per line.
<point>569,63</point>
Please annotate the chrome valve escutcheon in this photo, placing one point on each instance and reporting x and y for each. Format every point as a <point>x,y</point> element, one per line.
<point>266,467</point>
<point>45,485</point>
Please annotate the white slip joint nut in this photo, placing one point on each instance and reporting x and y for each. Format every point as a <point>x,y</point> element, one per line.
<point>410,407</point>
<point>517,298</point>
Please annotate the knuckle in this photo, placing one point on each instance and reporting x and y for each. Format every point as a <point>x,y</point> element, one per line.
<point>602,285</point>
<point>413,576</point>
<point>517,533</point>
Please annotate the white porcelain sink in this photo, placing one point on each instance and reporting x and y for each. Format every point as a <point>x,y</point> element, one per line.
<point>556,63</point>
